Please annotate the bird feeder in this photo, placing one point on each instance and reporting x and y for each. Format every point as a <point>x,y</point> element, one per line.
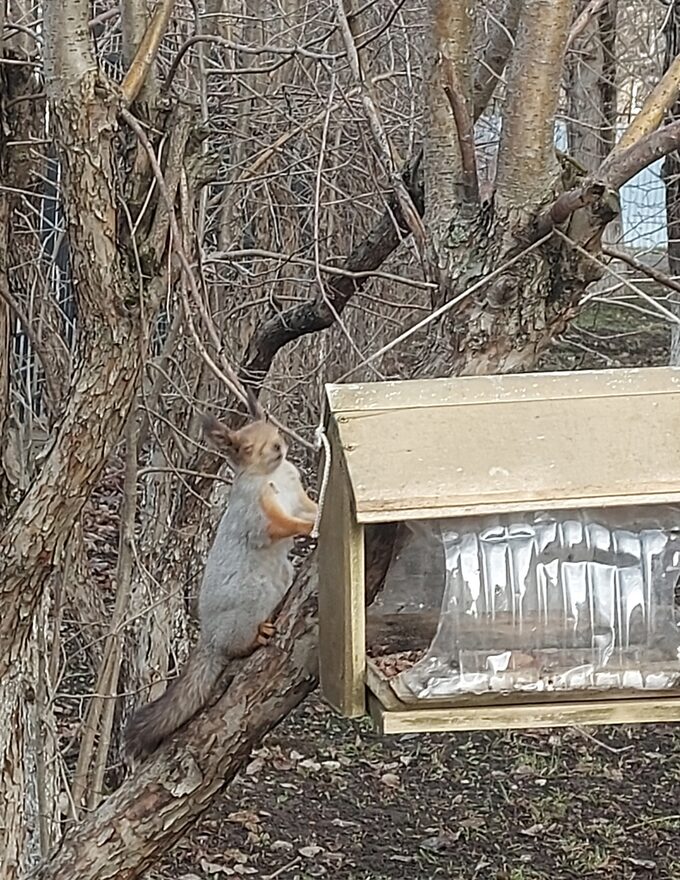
<point>534,582</point>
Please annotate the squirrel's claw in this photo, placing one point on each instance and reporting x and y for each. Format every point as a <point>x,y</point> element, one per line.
<point>265,631</point>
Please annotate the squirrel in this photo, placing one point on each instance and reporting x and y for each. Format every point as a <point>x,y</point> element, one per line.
<point>247,572</point>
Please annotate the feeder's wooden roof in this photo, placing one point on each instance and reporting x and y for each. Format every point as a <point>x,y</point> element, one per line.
<point>450,447</point>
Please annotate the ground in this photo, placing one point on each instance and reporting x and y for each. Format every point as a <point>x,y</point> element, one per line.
<point>327,797</point>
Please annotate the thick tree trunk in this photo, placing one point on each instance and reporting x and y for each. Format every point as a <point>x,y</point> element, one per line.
<point>29,780</point>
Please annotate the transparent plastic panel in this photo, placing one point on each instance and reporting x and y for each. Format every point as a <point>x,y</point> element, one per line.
<point>545,601</point>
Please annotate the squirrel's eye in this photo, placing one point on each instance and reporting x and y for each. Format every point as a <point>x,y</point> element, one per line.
<point>277,447</point>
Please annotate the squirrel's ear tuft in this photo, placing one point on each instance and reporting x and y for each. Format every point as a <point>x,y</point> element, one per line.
<point>255,408</point>
<point>217,434</point>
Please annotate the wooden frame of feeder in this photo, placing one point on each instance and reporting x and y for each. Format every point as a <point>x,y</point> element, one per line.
<point>455,447</point>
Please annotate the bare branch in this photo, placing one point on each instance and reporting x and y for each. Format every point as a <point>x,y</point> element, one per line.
<point>466,135</point>
<point>315,314</point>
<point>147,51</point>
<point>660,100</point>
<point>622,165</point>
<point>583,20</point>
<point>617,169</point>
<point>526,161</point>
<point>387,153</point>
<point>494,56</point>
<point>655,274</point>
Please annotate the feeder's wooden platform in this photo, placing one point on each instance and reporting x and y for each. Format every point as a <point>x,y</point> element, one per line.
<point>533,715</point>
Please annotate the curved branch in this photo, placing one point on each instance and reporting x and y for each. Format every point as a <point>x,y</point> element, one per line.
<point>617,169</point>
<point>320,312</point>
<point>622,165</point>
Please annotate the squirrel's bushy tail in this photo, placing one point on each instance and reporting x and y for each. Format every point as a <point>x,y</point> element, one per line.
<point>188,693</point>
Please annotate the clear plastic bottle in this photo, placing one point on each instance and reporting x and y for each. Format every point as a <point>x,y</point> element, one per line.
<point>544,601</point>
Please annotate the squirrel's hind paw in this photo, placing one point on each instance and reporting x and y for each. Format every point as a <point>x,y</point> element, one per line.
<point>265,632</point>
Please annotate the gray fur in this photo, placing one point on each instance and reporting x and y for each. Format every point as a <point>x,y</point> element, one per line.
<point>245,579</point>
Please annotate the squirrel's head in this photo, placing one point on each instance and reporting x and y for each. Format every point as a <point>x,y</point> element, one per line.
<point>258,447</point>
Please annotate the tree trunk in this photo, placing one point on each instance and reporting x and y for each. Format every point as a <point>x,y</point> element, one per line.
<point>591,88</point>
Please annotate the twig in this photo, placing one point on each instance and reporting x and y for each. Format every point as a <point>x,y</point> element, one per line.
<point>655,274</point>
<point>282,869</point>
<point>582,20</point>
<point>437,313</point>
<point>233,256</point>
<point>674,319</point>
<point>226,373</point>
<point>387,152</point>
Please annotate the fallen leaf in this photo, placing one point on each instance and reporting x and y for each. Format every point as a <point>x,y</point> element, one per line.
<point>255,767</point>
<point>391,780</point>
<point>440,842</point>
<point>533,830</point>
<point>249,820</point>
<point>214,868</point>
<point>646,864</point>
<point>236,855</point>
<point>310,851</point>
<point>345,823</point>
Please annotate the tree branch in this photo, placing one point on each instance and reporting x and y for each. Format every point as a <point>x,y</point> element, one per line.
<point>466,135</point>
<point>526,160</point>
<point>320,312</point>
<point>617,169</point>
<point>622,165</point>
<point>495,55</point>
<point>146,52</point>
<point>660,100</point>
<point>387,152</point>
<point>151,810</point>
<point>449,64</point>
<point>583,20</point>
<point>83,112</point>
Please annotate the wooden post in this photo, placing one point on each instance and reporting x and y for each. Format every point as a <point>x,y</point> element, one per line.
<point>342,616</point>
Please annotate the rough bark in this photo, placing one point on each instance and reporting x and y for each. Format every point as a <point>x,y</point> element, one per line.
<point>111,336</point>
<point>29,772</point>
<point>152,809</point>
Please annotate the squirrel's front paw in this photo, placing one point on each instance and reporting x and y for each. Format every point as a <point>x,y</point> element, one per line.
<point>265,632</point>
